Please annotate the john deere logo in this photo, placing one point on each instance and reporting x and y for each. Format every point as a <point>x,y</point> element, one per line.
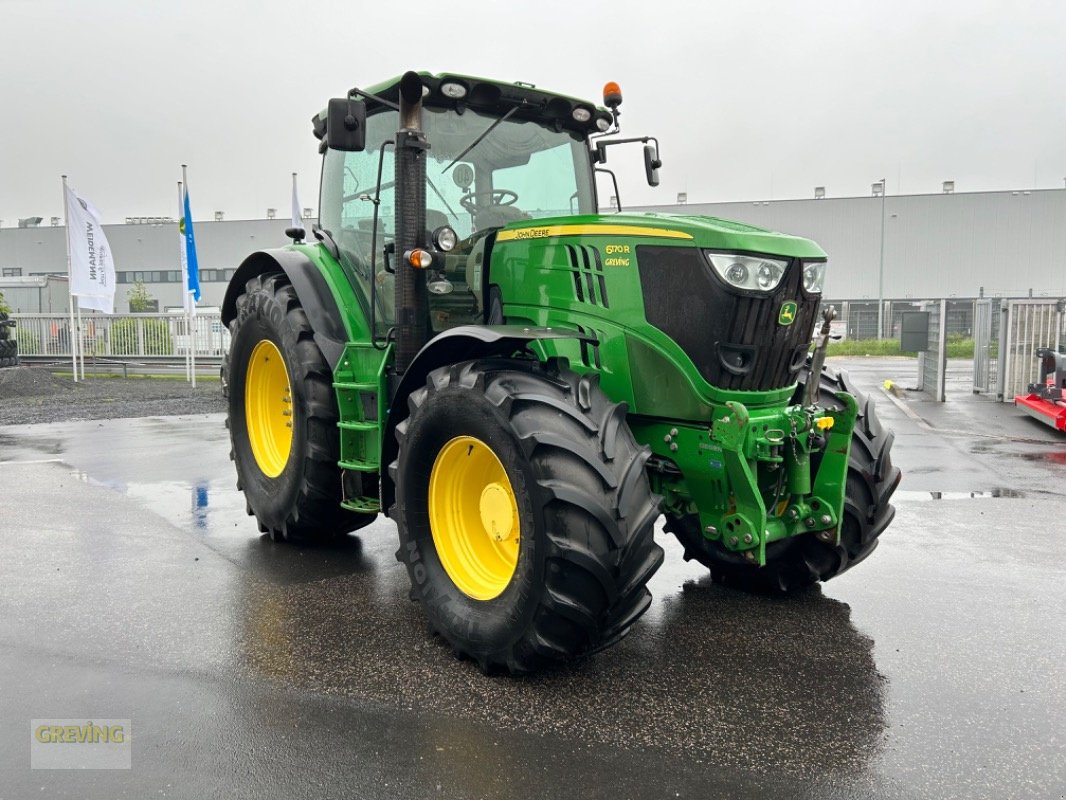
<point>788,313</point>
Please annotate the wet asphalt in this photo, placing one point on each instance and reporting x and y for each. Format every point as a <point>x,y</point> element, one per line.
<point>133,585</point>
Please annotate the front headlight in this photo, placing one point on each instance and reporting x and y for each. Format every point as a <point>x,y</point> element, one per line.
<point>754,273</point>
<point>814,277</point>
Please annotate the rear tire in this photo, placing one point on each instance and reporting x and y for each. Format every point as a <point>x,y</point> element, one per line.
<point>800,561</point>
<point>585,512</point>
<point>292,486</point>
<point>9,352</point>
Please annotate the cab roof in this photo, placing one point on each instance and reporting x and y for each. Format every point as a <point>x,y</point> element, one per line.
<point>490,97</point>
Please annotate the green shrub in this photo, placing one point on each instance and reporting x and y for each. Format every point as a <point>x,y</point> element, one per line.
<point>957,345</point>
<point>960,347</point>
<point>157,340</point>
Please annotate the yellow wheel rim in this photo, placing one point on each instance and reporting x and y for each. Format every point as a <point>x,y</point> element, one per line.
<point>268,408</point>
<point>473,516</point>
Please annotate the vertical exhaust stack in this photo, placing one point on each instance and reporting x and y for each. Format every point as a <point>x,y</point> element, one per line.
<point>412,298</point>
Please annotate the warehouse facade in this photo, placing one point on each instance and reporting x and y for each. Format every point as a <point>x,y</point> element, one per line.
<point>957,245</point>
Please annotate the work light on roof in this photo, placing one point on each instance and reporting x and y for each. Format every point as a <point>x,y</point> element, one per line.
<point>456,91</point>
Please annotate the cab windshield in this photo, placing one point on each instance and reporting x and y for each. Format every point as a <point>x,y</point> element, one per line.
<point>521,170</point>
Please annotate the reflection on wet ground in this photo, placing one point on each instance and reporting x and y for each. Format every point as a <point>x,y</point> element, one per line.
<point>1043,454</point>
<point>757,683</point>
<point>906,495</point>
<point>899,677</point>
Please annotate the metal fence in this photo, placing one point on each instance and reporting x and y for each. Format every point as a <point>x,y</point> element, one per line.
<point>1007,335</point>
<point>987,316</point>
<point>858,318</point>
<point>933,362</point>
<point>1030,325</point>
<point>123,336</point>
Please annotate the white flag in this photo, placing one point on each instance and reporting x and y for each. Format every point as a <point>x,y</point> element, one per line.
<point>297,221</point>
<point>92,267</point>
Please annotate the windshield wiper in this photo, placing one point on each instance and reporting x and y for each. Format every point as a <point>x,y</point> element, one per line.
<point>479,139</point>
<point>436,191</point>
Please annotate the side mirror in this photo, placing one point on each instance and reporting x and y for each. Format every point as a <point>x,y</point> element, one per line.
<point>346,125</point>
<point>651,165</point>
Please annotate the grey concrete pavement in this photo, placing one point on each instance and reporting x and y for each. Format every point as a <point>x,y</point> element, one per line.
<point>133,585</point>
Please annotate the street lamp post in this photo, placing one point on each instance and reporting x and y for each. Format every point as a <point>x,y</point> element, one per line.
<point>881,268</point>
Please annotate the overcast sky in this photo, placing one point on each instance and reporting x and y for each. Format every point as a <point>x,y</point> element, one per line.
<point>750,100</point>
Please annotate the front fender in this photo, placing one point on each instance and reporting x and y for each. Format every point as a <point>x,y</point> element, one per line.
<point>311,287</point>
<point>464,343</point>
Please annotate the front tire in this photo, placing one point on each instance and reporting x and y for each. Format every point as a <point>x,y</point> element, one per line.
<point>283,417</point>
<point>800,561</point>
<point>525,514</point>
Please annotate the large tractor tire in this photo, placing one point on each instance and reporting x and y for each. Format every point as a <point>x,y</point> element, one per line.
<point>800,561</point>
<point>283,417</point>
<point>9,352</point>
<point>8,347</point>
<point>525,515</point>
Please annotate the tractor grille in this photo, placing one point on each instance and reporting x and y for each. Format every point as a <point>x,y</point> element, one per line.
<point>733,338</point>
<point>587,266</point>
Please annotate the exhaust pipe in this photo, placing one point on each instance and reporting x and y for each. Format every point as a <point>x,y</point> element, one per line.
<point>412,298</point>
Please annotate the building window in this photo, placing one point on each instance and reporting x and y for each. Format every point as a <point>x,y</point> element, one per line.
<point>11,272</point>
<point>169,275</point>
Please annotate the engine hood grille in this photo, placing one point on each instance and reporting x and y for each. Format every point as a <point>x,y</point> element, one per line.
<point>735,339</point>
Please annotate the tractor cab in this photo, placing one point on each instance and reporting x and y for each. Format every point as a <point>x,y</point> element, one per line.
<point>498,154</point>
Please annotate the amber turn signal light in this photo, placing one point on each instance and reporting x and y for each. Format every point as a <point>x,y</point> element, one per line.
<point>418,258</point>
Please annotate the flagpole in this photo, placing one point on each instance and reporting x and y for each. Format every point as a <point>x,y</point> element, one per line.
<point>81,342</point>
<point>70,285</point>
<point>191,299</point>
<point>184,280</point>
<point>296,218</point>
<point>192,350</point>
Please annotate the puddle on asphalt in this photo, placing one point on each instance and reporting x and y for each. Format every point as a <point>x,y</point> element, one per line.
<point>41,444</point>
<point>1056,456</point>
<point>905,495</point>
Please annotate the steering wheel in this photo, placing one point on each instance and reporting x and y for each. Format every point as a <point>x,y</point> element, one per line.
<point>496,197</point>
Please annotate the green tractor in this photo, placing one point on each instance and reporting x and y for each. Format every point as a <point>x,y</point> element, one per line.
<point>526,385</point>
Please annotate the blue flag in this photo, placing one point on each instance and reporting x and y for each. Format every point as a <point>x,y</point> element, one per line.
<point>192,271</point>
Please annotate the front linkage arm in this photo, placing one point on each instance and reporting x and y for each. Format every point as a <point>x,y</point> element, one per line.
<point>799,505</point>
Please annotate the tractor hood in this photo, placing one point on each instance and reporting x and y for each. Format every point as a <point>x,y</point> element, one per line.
<point>704,232</point>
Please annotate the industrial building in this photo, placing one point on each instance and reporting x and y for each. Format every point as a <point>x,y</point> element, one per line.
<point>145,249</point>
<point>946,245</point>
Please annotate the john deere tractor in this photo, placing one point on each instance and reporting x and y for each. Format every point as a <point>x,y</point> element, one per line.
<point>525,385</point>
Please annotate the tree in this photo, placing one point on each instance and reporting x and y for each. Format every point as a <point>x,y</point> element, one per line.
<point>4,307</point>
<point>140,298</point>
